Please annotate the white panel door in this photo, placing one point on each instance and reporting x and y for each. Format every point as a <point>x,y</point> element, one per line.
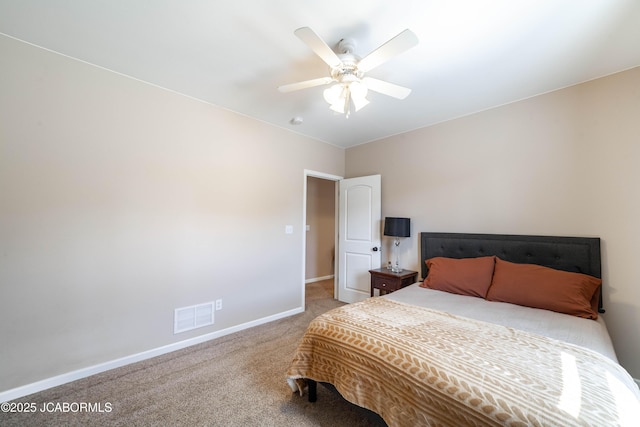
<point>358,236</point>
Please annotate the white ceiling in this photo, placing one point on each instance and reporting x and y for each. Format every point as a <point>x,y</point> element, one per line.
<point>473,54</point>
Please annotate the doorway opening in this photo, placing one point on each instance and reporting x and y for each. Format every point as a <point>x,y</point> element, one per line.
<point>319,232</point>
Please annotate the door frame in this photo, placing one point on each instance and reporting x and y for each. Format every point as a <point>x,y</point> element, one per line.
<point>335,179</point>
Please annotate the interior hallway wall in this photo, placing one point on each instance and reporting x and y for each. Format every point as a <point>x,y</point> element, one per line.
<point>320,242</point>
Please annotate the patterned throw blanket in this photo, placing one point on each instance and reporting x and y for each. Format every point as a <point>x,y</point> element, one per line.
<point>420,367</point>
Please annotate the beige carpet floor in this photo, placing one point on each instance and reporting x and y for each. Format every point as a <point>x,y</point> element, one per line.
<point>235,380</point>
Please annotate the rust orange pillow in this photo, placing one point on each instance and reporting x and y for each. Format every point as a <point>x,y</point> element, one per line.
<point>464,276</point>
<point>543,287</point>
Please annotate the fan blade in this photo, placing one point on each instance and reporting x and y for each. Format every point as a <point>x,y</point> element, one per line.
<point>305,84</point>
<point>400,43</point>
<point>318,45</point>
<point>386,88</point>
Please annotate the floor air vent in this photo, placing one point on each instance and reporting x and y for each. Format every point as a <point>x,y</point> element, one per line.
<point>195,316</point>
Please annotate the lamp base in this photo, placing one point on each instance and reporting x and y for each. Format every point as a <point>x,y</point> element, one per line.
<point>395,267</point>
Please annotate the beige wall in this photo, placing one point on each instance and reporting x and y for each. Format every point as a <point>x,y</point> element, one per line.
<point>320,241</point>
<point>120,202</point>
<point>564,163</point>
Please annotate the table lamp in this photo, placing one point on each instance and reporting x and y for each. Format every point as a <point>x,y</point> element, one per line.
<point>396,227</point>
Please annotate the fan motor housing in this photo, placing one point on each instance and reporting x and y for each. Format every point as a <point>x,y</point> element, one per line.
<point>348,71</point>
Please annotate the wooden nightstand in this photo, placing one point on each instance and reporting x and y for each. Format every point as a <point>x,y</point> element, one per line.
<point>387,281</point>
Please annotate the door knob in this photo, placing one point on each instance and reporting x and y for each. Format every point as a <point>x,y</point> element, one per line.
<point>375,249</point>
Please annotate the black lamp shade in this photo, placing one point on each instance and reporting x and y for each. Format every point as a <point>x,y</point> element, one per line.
<point>397,227</point>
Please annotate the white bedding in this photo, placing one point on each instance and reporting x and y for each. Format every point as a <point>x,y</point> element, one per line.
<point>587,333</point>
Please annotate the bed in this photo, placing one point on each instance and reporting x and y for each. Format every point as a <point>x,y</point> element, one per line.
<point>504,330</point>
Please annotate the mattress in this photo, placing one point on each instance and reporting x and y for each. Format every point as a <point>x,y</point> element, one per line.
<point>588,333</point>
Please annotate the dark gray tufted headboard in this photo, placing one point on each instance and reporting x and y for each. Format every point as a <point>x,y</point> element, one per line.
<point>575,254</point>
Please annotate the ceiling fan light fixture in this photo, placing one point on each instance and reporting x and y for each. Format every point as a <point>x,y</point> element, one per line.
<point>358,89</point>
<point>338,107</point>
<point>340,95</point>
<point>359,94</point>
<point>360,103</point>
<point>334,94</point>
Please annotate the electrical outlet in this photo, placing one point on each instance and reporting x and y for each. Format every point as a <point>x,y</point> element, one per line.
<point>218,304</point>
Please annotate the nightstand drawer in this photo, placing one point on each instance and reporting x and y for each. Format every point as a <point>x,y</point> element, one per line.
<point>388,284</point>
<point>387,281</point>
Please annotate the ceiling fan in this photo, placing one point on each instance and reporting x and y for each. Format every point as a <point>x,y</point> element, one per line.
<point>347,70</point>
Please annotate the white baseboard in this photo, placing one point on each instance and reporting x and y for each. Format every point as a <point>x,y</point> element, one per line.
<point>68,377</point>
<point>318,279</point>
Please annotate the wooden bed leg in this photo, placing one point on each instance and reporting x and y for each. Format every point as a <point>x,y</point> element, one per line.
<point>313,390</point>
